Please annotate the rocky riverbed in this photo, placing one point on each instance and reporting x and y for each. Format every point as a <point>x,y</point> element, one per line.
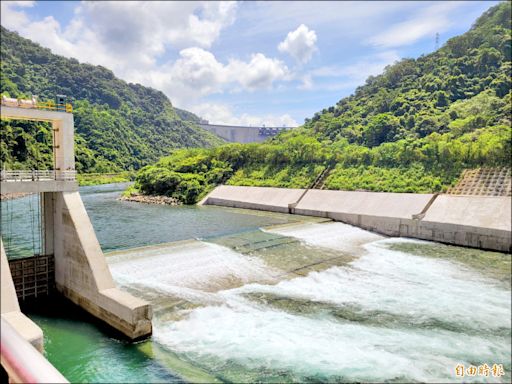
<point>151,199</point>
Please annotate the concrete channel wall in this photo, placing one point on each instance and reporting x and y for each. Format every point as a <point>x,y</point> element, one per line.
<point>473,221</point>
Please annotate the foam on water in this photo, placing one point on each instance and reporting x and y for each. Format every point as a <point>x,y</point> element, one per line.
<point>190,270</point>
<point>258,338</point>
<point>338,236</point>
<point>443,313</point>
<point>414,286</point>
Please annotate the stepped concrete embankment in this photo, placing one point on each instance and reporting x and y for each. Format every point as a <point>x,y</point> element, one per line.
<point>474,221</point>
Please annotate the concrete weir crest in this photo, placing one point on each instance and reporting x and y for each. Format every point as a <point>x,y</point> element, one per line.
<point>81,271</point>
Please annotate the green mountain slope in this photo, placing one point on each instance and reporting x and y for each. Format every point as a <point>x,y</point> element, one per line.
<point>187,116</point>
<point>413,128</point>
<point>119,126</point>
<point>457,89</point>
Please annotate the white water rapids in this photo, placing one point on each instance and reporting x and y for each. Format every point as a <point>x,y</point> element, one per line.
<point>385,315</point>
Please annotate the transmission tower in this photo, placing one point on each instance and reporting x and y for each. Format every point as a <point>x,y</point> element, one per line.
<point>437,41</point>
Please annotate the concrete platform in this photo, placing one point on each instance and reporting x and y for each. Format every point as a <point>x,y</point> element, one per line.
<point>27,329</point>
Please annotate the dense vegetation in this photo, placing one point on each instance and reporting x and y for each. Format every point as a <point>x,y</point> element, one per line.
<point>119,126</point>
<point>413,128</point>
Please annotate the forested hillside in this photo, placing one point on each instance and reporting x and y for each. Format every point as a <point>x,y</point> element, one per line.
<point>413,128</point>
<point>119,126</point>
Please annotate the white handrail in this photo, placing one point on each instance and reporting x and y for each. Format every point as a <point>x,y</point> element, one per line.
<point>37,175</point>
<point>22,362</point>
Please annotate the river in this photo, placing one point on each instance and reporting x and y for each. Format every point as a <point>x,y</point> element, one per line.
<point>268,297</point>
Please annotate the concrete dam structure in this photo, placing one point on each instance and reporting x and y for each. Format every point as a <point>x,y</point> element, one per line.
<point>80,270</point>
<point>241,134</point>
<point>473,221</point>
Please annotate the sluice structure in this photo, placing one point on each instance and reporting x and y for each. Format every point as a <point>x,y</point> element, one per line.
<point>70,257</point>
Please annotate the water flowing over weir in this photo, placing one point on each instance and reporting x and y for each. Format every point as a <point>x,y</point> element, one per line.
<point>382,315</point>
<point>295,301</point>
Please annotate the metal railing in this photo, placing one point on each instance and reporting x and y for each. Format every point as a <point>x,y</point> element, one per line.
<point>22,362</point>
<point>37,175</point>
<point>34,104</point>
<point>50,106</point>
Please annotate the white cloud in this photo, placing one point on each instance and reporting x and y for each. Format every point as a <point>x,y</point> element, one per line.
<point>10,18</point>
<point>259,73</point>
<point>198,73</point>
<point>300,44</point>
<point>136,40</point>
<point>348,76</point>
<point>307,82</point>
<point>150,26</point>
<point>346,18</point>
<point>124,36</point>
<point>142,31</point>
<point>426,22</point>
<point>217,113</point>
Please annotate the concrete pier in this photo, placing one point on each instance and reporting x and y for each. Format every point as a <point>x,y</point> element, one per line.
<point>474,221</point>
<point>82,273</point>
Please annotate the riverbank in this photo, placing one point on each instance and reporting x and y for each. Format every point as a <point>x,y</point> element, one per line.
<point>151,199</point>
<point>88,179</point>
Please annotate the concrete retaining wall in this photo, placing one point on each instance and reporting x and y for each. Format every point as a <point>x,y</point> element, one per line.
<point>474,221</point>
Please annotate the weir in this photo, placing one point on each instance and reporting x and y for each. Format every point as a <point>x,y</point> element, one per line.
<point>71,256</point>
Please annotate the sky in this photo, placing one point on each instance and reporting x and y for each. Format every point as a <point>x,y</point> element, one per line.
<point>248,63</point>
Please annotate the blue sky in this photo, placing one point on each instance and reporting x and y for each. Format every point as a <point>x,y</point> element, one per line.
<point>251,63</point>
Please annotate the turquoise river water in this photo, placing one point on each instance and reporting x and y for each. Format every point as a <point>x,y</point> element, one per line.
<point>263,297</point>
